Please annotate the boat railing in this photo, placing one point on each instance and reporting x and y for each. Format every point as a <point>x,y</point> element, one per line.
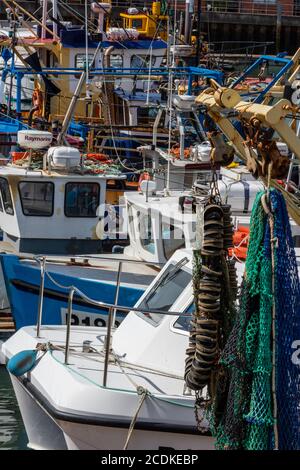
<point>42,260</point>
<point>112,310</point>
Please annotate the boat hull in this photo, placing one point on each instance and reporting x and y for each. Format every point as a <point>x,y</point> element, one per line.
<point>48,433</point>
<point>43,433</point>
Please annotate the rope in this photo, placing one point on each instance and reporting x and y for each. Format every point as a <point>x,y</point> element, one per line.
<point>143,392</point>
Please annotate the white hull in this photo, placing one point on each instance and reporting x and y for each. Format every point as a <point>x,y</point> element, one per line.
<point>46,433</point>
<point>88,437</point>
<point>42,432</point>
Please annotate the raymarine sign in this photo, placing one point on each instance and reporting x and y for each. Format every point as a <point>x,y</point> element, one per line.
<point>34,139</point>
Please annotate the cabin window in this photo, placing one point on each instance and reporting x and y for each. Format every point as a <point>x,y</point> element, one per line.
<point>80,60</point>
<point>146,116</point>
<point>142,61</point>
<point>172,238</point>
<point>162,296</point>
<point>146,232</point>
<point>6,197</point>
<point>37,198</point>
<point>116,61</point>
<point>82,199</point>
<point>184,321</point>
<point>137,23</point>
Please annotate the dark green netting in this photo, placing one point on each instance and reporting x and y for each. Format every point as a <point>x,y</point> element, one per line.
<point>242,411</point>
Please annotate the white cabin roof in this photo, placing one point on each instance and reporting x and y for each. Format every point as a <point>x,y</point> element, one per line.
<point>14,170</point>
<point>168,206</point>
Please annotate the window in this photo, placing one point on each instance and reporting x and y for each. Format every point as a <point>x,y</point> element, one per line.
<point>116,61</point>
<point>173,239</point>
<point>142,61</point>
<point>81,199</point>
<point>162,296</point>
<point>184,321</point>
<point>80,60</point>
<point>6,197</point>
<point>146,232</point>
<point>137,23</point>
<point>37,198</point>
<point>146,116</point>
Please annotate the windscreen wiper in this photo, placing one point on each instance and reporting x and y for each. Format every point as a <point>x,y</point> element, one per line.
<point>166,277</point>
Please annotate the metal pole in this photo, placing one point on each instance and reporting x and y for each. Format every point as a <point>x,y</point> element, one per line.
<point>107,345</point>
<point>19,94</point>
<point>117,293</point>
<point>69,321</point>
<point>55,16</point>
<point>293,158</point>
<point>71,109</point>
<point>41,297</point>
<point>189,9</point>
<point>44,20</point>
<point>12,66</point>
<point>73,102</point>
<point>278,26</point>
<point>198,49</point>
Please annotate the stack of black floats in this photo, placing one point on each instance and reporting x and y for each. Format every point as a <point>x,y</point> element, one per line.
<point>203,349</point>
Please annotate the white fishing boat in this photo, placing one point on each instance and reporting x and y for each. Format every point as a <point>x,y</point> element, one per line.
<point>45,200</point>
<point>78,396</point>
<point>138,398</point>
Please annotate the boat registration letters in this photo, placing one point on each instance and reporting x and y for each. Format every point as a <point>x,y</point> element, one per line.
<point>81,318</point>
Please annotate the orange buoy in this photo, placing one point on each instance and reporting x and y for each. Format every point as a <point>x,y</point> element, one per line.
<point>18,156</point>
<point>240,241</point>
<point>100,157</point>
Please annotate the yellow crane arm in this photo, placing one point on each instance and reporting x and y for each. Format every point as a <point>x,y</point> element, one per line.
<point>219,102</point>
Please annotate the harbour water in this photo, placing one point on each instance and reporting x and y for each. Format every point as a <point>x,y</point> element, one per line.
<point>12,431</point>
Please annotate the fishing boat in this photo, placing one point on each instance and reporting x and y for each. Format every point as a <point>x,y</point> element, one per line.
<point>124,392</point>
<point>143,386</point>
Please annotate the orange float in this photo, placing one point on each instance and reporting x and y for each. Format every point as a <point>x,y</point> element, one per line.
<point>240,241</point>
<point>99,157</point>
<point>18,156</point>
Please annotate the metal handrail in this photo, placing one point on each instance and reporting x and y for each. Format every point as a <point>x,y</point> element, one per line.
<point>41,297</point>
<point>86,257</point>
<point>43,260</point>
<point>112,308</point>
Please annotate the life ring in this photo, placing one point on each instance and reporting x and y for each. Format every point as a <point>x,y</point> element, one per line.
<point>37,101</point>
